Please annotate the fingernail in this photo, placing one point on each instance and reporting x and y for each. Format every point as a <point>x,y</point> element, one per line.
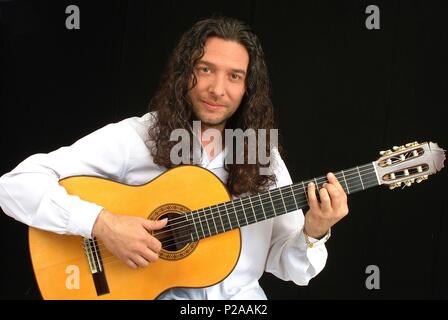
<point>310,184</point>
<point>330,174</point>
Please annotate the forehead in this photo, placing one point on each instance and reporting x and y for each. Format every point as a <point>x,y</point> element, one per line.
<point>226,54</point>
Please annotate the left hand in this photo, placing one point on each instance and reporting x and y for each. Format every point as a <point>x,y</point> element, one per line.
<point>332,207</point>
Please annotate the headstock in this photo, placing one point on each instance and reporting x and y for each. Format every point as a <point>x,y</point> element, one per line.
<point>413,162</point>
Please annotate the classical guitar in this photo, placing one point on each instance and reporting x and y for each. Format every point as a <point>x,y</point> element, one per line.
<point>201,242</point>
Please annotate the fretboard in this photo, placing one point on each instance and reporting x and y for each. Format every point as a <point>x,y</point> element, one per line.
<point>243,211</point>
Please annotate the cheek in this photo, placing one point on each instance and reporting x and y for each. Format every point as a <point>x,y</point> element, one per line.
<point>199,88</point>
<point>237,94</point>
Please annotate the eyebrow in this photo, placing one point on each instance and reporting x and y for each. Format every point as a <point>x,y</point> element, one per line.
<point>213,65</point>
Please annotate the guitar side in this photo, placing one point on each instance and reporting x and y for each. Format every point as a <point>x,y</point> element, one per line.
<point>61,266</point>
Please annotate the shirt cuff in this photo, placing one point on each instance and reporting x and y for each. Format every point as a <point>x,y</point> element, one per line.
<point>82,219</point>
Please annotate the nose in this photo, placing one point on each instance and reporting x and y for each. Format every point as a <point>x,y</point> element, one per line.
<point>217,86</point>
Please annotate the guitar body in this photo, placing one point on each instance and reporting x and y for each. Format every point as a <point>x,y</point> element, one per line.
<point>61,265</point>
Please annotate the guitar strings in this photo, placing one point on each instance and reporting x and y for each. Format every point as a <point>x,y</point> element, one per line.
<point>269,213</point>
<point>187,227</point>
<point>272,192</point>
<point>107,259</point>
<point>257,201</point>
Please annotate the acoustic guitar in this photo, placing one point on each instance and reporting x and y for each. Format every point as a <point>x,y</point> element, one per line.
<point>201,242</point>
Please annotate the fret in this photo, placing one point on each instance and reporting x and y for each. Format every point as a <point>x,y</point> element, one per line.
<point>346,185</point>
<point>234,210</point>
<point>244,211</point>
<point>220,218</point>
<point>305,192</point>
<point>372,178</point>
<point>354,185</point>
<point>194,223</point>
<point>262,207</point>
<point>253,209</point>
<point>277,201</point>
<point>360,178</point>
<point>272,202</point>
<point>268,205</point>
<point>206,221</point>
<point>283,200</point>
<point>317,185</point>
<point>375,171</point>
<point>293,196</point>
<point>200,224</point>
<point>213,219</point>
<point>228,217</point>
<point>236,215</point>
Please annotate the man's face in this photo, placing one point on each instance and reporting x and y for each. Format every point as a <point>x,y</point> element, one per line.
<point>220,87</point>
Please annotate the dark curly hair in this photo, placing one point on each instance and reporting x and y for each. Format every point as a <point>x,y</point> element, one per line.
<point>174,108</point>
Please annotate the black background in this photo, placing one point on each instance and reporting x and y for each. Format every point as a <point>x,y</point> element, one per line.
<point>341,93</point>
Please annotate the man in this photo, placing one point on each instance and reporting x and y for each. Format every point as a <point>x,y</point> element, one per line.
<point>216,75</point>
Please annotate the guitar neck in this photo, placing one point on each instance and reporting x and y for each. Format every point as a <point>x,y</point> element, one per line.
<point>243,211</point>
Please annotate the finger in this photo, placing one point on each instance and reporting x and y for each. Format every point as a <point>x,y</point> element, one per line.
<point>140,261</point>
<point>325,200</point>
<point>149,255</point>
<point>334,180</point>
<point>338,198</point>
<point>151,225</point>
<point>154,244</point>
<point>334,192</point>
<point>131,264</point>
<point>312,198</point>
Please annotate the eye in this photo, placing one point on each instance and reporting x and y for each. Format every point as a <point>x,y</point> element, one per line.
<point>235,76</point>
<point>204,69</point>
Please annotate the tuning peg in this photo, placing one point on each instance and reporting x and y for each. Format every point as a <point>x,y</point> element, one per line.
<point>411,144</point>
<point>395,185</point>
<point>385,152</point>
<point>408,183</point>
<point>422,178</point>
<point>398,148</point>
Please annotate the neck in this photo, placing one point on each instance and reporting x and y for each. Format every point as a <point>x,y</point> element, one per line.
<point>240,212</point>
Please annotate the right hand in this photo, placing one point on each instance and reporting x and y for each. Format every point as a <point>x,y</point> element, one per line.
<point>128,237</point>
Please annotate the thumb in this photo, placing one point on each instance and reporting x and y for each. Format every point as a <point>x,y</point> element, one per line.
<point>155,225</point>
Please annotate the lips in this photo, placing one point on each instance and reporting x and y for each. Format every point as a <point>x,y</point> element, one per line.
<point>212,105</point>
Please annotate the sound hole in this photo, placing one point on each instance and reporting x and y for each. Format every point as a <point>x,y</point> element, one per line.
<point>176,234</point>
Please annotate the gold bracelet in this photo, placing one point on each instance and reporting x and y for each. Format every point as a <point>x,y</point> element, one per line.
<point>310,244</point>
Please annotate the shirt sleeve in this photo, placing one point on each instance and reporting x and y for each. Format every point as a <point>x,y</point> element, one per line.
<point>31,194</point>
<point>289,257</point>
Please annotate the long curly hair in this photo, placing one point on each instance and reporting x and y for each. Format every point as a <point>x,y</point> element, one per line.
<point>174,110</point>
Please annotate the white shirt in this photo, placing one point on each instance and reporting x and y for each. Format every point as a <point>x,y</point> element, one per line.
<point>31,194</point>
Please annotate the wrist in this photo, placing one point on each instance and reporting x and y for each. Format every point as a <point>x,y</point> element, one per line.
<point>314,233</point>
<point>100,223</point>
<point>312,241</point>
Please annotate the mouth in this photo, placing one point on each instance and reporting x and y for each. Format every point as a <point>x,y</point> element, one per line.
<point>212,106</point>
